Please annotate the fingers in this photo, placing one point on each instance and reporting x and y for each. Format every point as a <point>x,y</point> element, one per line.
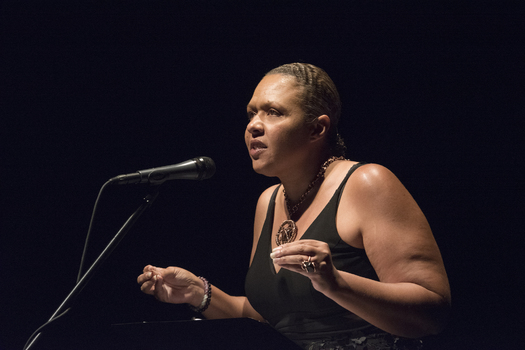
<point>144,277</point>
<point>148,279</point>
<point>149,268</point>
<point>303,256</point>
<point>292,262</point>
<point>302,248</point>
<point>148,286</point>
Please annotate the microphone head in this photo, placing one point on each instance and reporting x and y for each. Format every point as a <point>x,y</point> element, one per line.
<point>206,167</point>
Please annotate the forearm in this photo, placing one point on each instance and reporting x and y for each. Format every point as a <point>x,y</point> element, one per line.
<point>403,309</point>
<point>223,305</point>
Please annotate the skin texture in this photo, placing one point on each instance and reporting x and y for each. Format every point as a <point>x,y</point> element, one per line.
<point>278,136</point>
<point>376,213</point>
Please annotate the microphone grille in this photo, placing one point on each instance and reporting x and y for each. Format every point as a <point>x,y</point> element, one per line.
<point>207,167</point>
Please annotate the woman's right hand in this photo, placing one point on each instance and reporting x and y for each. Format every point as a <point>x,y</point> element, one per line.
<point>172,285</point>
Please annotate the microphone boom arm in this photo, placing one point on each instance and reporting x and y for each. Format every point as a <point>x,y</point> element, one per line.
<point>148,201</point>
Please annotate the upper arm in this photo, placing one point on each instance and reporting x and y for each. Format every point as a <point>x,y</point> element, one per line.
<point>395,233</point>
<point>260,217</point>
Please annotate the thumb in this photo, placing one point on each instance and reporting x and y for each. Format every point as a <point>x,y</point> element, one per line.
<point>157,277</point>
<point>158,286</point>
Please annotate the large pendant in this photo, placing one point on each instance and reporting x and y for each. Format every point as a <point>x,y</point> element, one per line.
<point>287,232</point>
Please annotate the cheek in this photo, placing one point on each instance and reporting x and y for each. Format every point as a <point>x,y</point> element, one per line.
<point>286,142</point>
<point>246,137</point>
<point>294,137</point>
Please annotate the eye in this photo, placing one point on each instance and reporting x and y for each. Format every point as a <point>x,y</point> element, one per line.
<point>251,114</point>
<point>273,112</point>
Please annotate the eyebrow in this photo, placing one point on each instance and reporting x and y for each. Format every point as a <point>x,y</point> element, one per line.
<point>267,104</point>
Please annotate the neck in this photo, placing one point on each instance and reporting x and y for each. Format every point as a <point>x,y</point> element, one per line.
<point>306,182</point>
<point>297,184</point>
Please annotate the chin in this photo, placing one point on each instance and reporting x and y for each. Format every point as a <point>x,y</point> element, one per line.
<point>259,168</point>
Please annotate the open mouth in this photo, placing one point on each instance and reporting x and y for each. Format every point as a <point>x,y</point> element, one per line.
<point>256,147</point>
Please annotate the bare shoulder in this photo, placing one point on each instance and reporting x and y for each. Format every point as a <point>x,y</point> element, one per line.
<point>371,189</point>
<point>373,177</point>
<point>394,231</point>
<point>262,207</point>
<point>375,193</point>
<point>373,186</point>
<point>260,215</point>
<point>264,200</point>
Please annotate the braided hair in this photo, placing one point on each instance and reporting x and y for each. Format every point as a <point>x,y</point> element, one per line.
<point>319,97</point>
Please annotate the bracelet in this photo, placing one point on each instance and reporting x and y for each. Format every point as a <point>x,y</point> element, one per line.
<point>206,299</point>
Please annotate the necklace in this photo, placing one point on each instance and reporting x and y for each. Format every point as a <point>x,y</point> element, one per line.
<point>288,229</point>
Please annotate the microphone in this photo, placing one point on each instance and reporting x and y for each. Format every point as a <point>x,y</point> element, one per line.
<point>199,168</point>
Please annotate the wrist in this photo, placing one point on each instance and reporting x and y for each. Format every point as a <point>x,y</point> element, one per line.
<point>329,285</point>
<point>198,293</point>
<point>202,300</point>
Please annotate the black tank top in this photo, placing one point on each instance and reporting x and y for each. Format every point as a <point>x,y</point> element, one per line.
<point>287,300</point>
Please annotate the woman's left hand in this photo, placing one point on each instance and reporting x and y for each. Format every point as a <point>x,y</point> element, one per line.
<point>310,258</point>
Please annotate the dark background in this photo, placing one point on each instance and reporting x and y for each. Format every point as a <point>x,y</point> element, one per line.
<point>90,90</point>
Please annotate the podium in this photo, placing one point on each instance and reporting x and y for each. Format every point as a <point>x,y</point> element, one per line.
<point>231,334</point>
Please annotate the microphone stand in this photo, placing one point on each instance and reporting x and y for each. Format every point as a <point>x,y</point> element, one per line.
<point>148,201</point>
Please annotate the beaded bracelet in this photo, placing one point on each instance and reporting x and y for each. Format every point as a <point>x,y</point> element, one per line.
<point>206,299</point>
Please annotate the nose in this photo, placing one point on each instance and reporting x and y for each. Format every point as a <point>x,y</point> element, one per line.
<point>255,126</point>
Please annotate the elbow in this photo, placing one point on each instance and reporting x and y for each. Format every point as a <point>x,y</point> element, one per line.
<point>430,321</point>
<point>434,320</point>
<point>440,317</point>
<point>432,327</point>
<point>422,328</point>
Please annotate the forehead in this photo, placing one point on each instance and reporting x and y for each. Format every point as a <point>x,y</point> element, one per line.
<point>277,88</point>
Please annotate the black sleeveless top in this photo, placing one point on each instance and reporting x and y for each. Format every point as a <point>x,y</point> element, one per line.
<point>287,300</point>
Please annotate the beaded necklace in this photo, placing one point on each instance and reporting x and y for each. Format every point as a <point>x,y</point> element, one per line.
<point>288,229</point>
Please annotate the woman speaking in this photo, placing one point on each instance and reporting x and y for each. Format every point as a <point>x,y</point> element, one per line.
<point>342,257</point>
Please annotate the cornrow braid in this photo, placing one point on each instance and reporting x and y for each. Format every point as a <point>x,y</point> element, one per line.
<point>320,97</point>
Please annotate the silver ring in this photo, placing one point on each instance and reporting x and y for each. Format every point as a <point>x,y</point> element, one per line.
<point>308,266</point>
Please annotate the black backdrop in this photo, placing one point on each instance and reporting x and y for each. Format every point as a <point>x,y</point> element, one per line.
<point>94,89</point>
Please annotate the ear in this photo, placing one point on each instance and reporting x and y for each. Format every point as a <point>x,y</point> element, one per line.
<point>320,128</point>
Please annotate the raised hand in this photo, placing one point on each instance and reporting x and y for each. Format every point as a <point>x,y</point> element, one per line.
<point>309,257</point>
<point>171,285</point>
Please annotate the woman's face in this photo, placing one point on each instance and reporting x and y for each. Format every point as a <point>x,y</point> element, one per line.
<point>277,132</point>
